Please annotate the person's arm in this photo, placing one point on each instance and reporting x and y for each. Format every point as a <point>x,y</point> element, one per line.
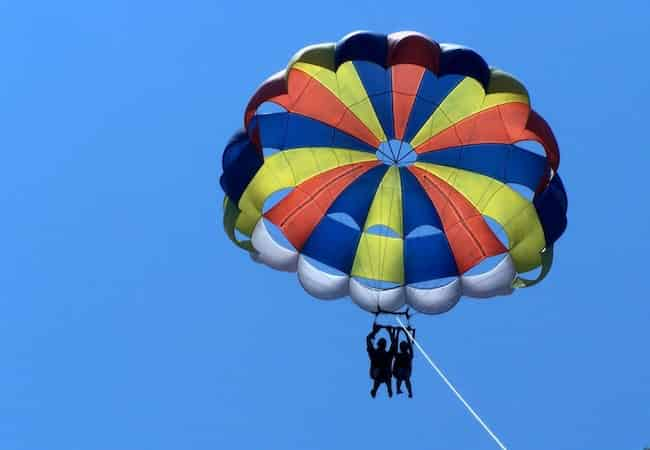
<point>370,337</point>
<point>394,337</point>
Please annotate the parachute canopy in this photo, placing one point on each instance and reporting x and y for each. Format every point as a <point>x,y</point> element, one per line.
<point>399,158</point>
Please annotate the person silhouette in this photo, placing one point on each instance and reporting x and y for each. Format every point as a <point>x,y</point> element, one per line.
<point>403,365</point>
<point>381,359</point>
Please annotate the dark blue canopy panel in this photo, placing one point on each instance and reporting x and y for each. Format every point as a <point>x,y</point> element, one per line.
<point>241,160</point>
<point>551,206</point>
<point>504,162</point>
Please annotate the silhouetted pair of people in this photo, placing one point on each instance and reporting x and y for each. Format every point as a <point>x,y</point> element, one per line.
<point>382,366</point>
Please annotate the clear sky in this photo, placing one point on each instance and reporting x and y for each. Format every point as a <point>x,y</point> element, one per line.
<point>129,322</point>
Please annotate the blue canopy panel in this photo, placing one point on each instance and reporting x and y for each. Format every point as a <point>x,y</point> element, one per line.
<point>464,61</point>
<point>290,130</point>
<point>362,46</point>
<point>504,162</point>
<point>431,93</point>
<point>375,78</point>
<point>417,209</point>
<point>551,206</point>
<point>357,198</point>
<point>428,258</point>
<point>377,82</point>
<point>340,256</point>
<point>241,161</point>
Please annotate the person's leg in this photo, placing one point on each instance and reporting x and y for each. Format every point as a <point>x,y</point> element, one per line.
<point>408,386</point>
<point>399,385</point>
<point>375,386</point>
<point>389,386</point>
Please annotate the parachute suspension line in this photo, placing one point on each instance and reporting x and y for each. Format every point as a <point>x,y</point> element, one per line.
<point>451,386</point>
<point>380,151</point>
<point>390,147</point>
<point>399,158</point>
<point>405,155</point>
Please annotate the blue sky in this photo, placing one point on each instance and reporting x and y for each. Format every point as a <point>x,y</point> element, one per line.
<point>128,321</point>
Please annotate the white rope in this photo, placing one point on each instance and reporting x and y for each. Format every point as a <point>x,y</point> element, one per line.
<point>451,386</point>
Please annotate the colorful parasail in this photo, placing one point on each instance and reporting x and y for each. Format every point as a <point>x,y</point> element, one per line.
<point>401,174</point>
